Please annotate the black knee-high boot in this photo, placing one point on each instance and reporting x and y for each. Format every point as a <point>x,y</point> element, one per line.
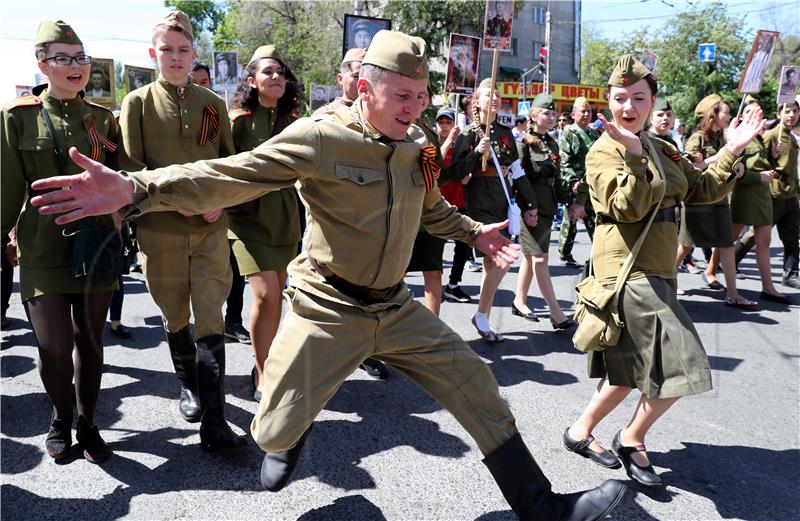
<point>215,434</point>
<point>528,491</point>
<point>183,352</point>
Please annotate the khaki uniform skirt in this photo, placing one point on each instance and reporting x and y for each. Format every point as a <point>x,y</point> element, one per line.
<point>706,225</point>
<point>660,352</point>
<point>536,240</point>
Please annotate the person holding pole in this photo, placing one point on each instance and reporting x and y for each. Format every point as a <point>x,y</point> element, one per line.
<point>348,297</point>
<point>484,194</point>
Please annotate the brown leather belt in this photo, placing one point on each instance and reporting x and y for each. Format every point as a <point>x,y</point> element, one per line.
<point>664,215</point>
<point>549,181</point>
<point>490,172</point>
<point>361,293</point>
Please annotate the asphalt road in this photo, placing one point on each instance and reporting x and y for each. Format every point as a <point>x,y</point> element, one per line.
<point>385,450</point>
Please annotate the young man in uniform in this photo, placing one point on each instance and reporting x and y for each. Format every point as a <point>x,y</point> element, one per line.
<point>348,296</point>
<point>186,254</point>
<point>348,79</point>
<point>783,148</point>
<point>576,139</point>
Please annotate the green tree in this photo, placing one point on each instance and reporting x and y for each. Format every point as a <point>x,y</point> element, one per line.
<point>598,57</point>
<point>204,15</point>
<point>119,83</point>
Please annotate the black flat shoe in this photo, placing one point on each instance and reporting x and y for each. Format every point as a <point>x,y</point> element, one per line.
<point>568,323</point>
<point>121,332</point>
<point>644,475</point>
<point>256,391</point>
<point>375,368</point>
<point>95,449</point>
<point>605,459</point>
<point>517,313</point>
<point>59,438</point>
<point>780,299</point>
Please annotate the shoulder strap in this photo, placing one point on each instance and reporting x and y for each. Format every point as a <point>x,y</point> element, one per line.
<point>628,264</point>
<point>61,159</point>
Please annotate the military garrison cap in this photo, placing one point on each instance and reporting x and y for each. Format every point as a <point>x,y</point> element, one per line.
<point>662,104</point>
<point>178,19</point>
<point>748,99</point>
<point>354,55</point>
<point>628,71</point>
<point>544,101</point>
<point>56,32</point>
<point>706,104</point>
<point>581,103</point>
<point>266,51</point>
<point>398,52</point>
<point>486,83</point>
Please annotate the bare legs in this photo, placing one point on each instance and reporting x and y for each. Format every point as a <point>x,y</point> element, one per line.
<point>433,290</point>
<point>265,314</point>
<point>490,281</point>
<point>727,257</point>
<point>606,398</point>
<point>538,265</point>
<point>763,234</point>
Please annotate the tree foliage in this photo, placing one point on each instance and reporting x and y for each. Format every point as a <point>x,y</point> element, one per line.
<point>204,15</point>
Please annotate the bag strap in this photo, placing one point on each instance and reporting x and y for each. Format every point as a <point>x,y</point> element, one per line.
<point>628,264</point>
<point>500,175</point>
<point>61,158</point>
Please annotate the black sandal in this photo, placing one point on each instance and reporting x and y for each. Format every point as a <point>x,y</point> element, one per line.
<point>605,459</point>
<point>644,475</point>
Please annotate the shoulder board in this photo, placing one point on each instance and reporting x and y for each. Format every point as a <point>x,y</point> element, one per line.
<point>95,105</point>
<point>238,113</point>
<point>22,101</point>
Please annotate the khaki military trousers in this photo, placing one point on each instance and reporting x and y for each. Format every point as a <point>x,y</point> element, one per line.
<point>321,343</point>
<point>187,269</point>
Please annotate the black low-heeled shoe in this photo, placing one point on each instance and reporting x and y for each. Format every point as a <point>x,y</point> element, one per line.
<point>256,390</point>
<point>568,323</point>
<point>517,313</point>
<point>644,475</point>
<point>605,459</point>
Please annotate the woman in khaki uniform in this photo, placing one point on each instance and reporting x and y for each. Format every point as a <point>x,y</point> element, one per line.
<point>751,203</point>
<point>540,159</point>
<point>264,232</point>
<point>486,201</point>
<point>711,225</point>
<point>659,353</point>
<point>64,311</point>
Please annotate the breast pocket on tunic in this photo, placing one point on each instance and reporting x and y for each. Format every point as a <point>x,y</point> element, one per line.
<point>358,175</point>
<point>39,156</point>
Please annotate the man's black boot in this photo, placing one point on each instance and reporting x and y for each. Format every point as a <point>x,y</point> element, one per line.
<point>215,434</point>
<point>528,491</point>
<point>182,350</point>
<point>277,467</point>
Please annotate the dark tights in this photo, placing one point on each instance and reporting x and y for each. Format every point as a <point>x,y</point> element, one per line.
<point>60,322</point>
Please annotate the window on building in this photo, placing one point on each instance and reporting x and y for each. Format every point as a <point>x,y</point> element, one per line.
<point>538,15</point>
<point>513,46</point>
<point>536,47</point>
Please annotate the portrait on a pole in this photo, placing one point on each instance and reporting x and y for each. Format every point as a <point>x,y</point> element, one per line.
<point>497,25</point>
<point>757,62</point>
<point>462,64</point>
<point>101,82</point>
<point>226,68</point>
<point>787,91</point>
<point>359,30</point>
<point>137,77</point>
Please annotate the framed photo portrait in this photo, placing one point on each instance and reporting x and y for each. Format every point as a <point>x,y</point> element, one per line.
<point>649,60</point>
<point>787,90</point>
<point>322,95</point>
<point>497,25</point>
<point>226,68</point>
<point>101,86</point>
<point>138,77</point>
<point>757,62</point>
<point>359,30</point>
<point>462,64</point>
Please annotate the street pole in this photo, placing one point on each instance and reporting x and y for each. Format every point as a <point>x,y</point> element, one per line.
<point>548,22</point>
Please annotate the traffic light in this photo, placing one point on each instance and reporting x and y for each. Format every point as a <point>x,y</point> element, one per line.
<point>543,57</point>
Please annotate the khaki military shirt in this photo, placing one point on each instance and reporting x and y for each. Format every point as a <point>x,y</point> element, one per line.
<point>542,164</point>
<point>272,219</point>
<point>337,103</point>
<point>162,125</point>
<point>27,154</point>
<point>364,192</point>
<point>626,188</point>
<point>706,145</point>
<point>573,145</point>
<point>751,201</point>
<point>785,164</point>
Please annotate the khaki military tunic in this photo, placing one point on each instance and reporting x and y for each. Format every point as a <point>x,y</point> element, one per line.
<point>264,232</point>
<point>337,103</point>
<point>751,201</point>
<point>706,225</point>
<point>366,198</point>
<point>541,160</point>
<point>574,144</point>
<point>186,259</point>
<point>660,352</point>
<point>27,154</point>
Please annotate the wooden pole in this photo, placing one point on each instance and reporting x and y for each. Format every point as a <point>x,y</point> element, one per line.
<point>741,107</point>
<point>458,105</point>
<point>487,132</point>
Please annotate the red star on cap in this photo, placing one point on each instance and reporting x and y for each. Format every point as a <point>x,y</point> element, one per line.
<point>69,33</point>
<point>419,68</point>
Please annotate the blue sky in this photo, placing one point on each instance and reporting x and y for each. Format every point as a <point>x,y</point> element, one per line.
<point>120,29</point>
